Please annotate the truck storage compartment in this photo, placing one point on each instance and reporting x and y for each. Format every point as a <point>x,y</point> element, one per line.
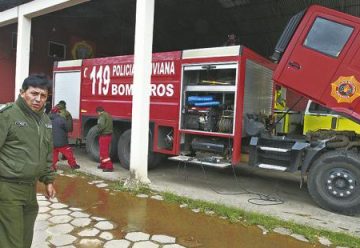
<point>208,98</point>
<point>208,145</point>
<point>210,112</point>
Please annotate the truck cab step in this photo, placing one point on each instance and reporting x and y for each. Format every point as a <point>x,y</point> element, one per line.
<point>281,154</point>
<point>274,149</point>
<point>272,167</point>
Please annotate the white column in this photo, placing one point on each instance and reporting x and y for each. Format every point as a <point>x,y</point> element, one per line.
<point>141,89</point>
<point>22,51</point>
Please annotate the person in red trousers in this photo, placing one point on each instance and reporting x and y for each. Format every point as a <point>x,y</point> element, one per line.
<point>105,128</point>
<point>60,140</point>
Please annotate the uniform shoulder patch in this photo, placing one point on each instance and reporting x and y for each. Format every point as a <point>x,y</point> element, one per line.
<point>5,107</point>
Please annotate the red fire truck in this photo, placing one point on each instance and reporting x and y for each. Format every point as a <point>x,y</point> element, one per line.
<point>209,106</point>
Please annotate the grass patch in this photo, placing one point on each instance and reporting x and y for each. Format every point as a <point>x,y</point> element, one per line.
<point>234,215</point>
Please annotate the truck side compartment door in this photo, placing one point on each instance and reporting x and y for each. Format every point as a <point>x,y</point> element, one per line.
<point>67,87</point>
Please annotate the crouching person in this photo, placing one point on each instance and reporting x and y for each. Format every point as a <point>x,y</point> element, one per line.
<point>25,158</point>
<point>60,140</point>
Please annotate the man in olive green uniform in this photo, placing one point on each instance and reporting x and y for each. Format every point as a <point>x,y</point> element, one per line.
<point>25,158</point>
<point>105,128</point>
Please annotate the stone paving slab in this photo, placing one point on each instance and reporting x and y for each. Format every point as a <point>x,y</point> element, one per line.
<point>106,236</point>
<point>137,236</point>
<point>81,222</point>
<point>61,240</point>
<point>60,219</point>
<point>163,239</point>
<point>173,246</point>
<point>117,244</point>
<point>157,197</point>
<point>60,229</point>
<point>91,243</point>
<point>60,212</point>
<point>90,232</point>
<point>78,214</point>
<point>145,244</point>
<point>105,225</point>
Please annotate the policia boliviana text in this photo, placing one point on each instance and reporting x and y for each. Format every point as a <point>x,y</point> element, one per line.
<point>25,158</point>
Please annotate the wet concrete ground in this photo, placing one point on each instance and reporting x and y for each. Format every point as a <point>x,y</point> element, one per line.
<point>88,214</point>
<point>220,186</point>
<point>200,230</point>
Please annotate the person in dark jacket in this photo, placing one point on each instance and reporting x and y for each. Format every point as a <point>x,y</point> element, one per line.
<point>105,129</point>
<point>25,158</point>
<point>65,114</point>
<point>60,140</point>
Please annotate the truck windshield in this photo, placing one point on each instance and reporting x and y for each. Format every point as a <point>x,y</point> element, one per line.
<point>328,37</point>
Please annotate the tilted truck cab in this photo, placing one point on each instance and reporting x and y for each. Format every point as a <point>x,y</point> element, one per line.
<point>321,60</point>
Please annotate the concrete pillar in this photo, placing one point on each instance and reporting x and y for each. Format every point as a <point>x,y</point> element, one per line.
<point>22,51</point>
<point>141,89</point>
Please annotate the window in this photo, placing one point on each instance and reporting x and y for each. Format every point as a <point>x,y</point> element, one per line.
<point>57,50</point>
<point>318,109</point>
<point>328,37</point>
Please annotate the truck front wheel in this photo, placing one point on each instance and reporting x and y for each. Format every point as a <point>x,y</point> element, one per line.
<point>334,182</point>
<point>124,152</point>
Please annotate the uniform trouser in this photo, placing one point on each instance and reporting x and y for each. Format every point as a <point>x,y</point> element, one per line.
<point>68,153</point>
<point>18,211</point>
<point>104,143</point>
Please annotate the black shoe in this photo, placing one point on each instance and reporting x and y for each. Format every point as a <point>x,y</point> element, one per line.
<point>108,170</point>
<point>75,167</point>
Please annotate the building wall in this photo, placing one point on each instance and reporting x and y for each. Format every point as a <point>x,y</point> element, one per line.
<point>44,29</point>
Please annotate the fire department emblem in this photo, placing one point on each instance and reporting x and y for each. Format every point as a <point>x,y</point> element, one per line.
<point>345,89</point>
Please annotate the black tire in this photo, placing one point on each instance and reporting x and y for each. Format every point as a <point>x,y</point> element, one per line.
<point>334,182</point>
<point>92,144</point>
<point>124,152</point>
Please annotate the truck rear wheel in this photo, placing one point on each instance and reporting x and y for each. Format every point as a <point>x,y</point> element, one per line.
<point>92,144</point>
<point>334,182</point>
<point>124,152</point>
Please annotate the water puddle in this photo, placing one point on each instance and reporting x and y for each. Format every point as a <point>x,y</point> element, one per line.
<point>156,217</point>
